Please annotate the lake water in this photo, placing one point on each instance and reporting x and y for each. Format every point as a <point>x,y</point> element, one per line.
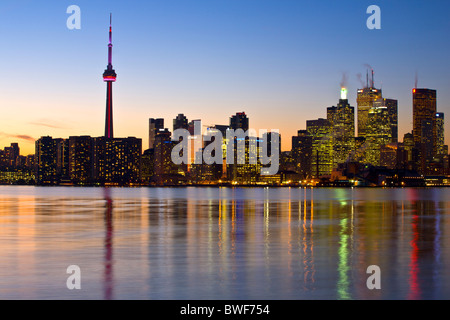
<point>224,243</point>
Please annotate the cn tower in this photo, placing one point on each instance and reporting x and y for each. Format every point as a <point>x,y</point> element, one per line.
<point>109,76</point>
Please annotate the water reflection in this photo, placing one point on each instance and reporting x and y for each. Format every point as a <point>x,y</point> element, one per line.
<point>108,274</point>
<point>220,243</point>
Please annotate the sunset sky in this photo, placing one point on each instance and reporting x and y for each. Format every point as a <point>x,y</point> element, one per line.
<point>280,61</point>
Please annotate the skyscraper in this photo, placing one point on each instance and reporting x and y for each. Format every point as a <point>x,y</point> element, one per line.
<point>180,122</point>
<point>301,153</point>
<point>109,76</point>
<point>364,100</point>
<point>440,150</point>
<point>154,126</point>
<point>239,121</point>
<point>80,159</point>
<point>378,134</point>
<point>116,161</point>
<point>45,162</point>
<point>424,125</point>
<point>392,109</point>
<point>164,166</point>
<point>424,108</point>
<point>322,147</point>
<point>342,120</point>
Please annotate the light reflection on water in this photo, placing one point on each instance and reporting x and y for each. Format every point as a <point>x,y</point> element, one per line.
<point>224,243</point>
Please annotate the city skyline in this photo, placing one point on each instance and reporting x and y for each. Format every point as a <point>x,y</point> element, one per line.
<point>293,90</point>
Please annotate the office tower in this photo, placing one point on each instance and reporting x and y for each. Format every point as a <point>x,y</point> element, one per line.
<point>128,152</point>
<point>239,121</point>
<point>243,169</point>
<point>148,165</point>
<point>195,142</point>
<point>154,126</point>
<point>389,156</point>
<point>411,151</point>
<point>364,100</point>
<point>164,166</point>
<point>248,172</point>
<point>392,108</point>
<point>45,160</point>
<point>30,161</point>
<point>378,134</point>
<point>427,145</point>
<point>80,159</point>
<point>424,114</point>
<point>180,122</point>
<point>109,76</point>
<point>322,147</point>
<point>301,153</point>
<point>342,120</point>
<point>440,141</point>
<point>11,155</point>
<point>202,169</point>
<point>116,161</point>
<point>15,153</point>
<point>62,159</point>
<point>267,139</point>
<point>223,130</point>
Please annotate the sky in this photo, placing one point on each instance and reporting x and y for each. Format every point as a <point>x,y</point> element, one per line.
<point>280,61</point>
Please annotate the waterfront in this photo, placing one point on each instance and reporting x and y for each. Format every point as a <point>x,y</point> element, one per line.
<point>224,243</point>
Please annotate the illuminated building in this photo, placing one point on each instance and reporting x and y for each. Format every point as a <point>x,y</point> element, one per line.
<point>223,130</point>
<point>62,159</point>
<point>243,170</point>
<point>322,147</point>
<point>18,175</point>
<point>116,161</point>
<point>80,159</point>
<point>302,153</point>
<point>154,126</point>
<point>10,156</point>
<point>29,162</point>
<point>195,143</point>
<point>392,108</point>
<point>180,122</point>
<point>109,76</point>
<point>424,126</point>
<point>148,165</point>
<point>378,134</point>
<point>239,121</point>
<point>272,149</point>
<point>388,156</point>
<point>342,120</point>
<point>440,142</point>
<point>164,168</point>
<point>45,163</point>
<point>204,171</point>
<point>365,99</point>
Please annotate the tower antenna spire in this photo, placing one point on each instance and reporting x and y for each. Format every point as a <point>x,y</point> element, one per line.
<point>373,81</point>
<point>367,78</point>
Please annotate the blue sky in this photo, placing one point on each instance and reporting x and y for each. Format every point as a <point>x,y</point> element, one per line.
<point>279,61</point>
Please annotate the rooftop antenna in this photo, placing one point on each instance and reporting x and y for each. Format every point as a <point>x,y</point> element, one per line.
<point>373,81</point>
<point>367,78</point>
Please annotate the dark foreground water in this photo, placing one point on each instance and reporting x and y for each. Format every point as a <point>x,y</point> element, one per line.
<point>224,243</point>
